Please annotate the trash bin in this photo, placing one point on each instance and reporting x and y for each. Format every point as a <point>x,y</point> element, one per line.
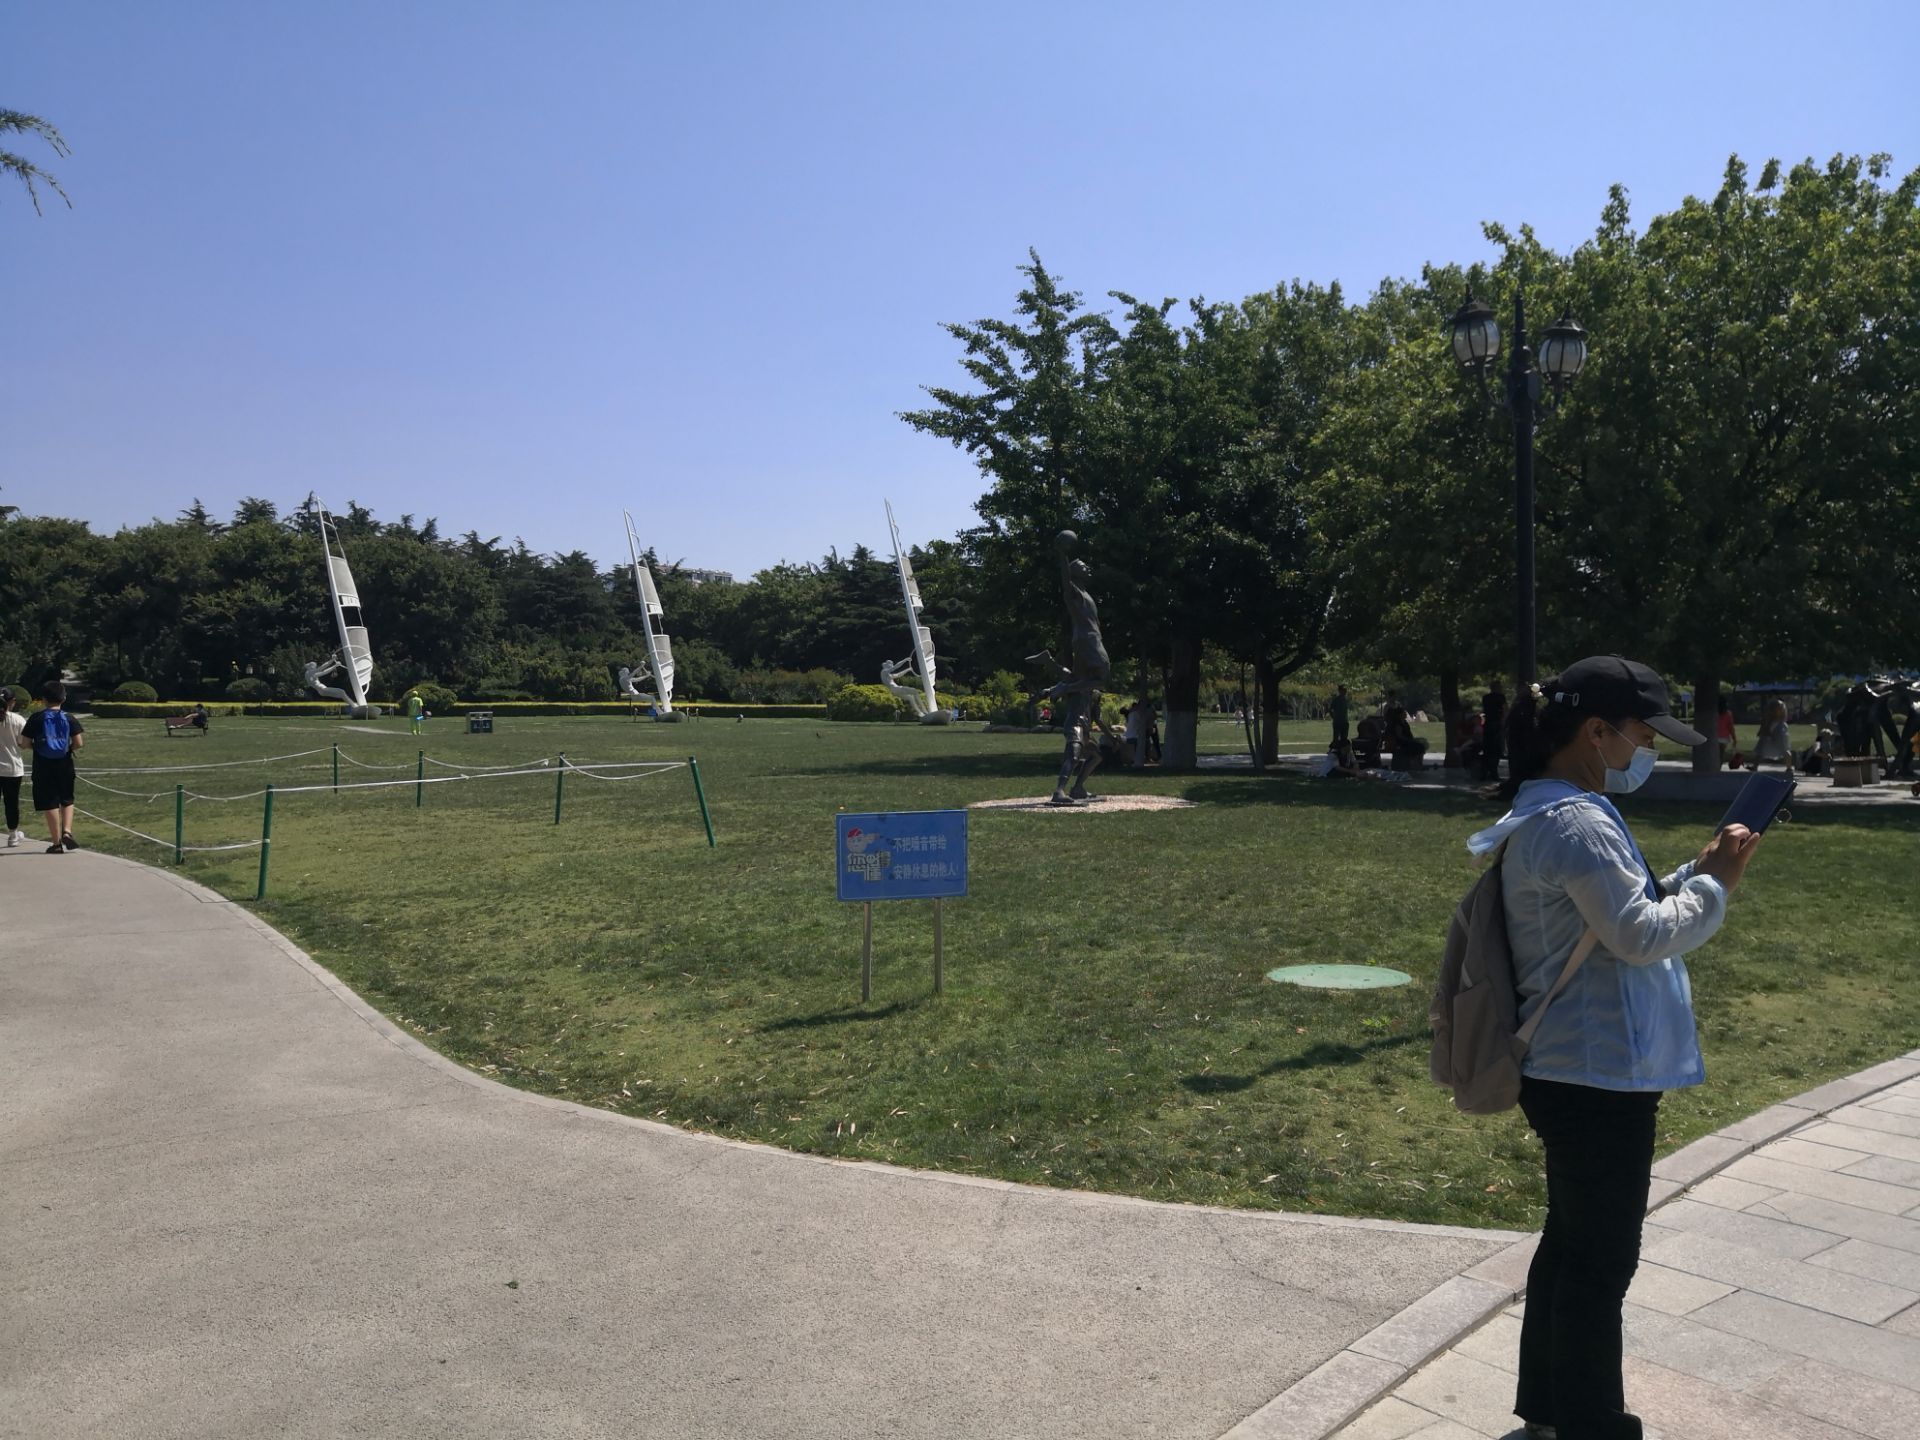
<point>480,722</point>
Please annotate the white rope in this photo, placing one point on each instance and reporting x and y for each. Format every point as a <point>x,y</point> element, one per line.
<point>386,784</point>
<point>130,794</point>
<point>216,765</point>
<point>165,844</point>
<point>365,766</point>
<point>453,765</point>
<point>656,767</point>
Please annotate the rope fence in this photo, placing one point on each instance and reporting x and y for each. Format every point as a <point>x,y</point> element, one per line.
<point>558,766</point>
<point>214,765</point>
<point>166,844</point>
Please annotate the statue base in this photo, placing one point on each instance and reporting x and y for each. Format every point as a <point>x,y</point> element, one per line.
<point>1100,805</point>
<point>938,717</point>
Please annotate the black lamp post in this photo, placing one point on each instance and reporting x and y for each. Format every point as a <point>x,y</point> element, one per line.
<point>1476,344</point>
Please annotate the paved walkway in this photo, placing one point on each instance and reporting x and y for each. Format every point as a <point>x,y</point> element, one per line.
<point>1778,1298</point>
<point>238,1203</point>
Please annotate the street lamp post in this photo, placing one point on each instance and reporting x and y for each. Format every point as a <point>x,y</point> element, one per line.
<point>1563,350</point>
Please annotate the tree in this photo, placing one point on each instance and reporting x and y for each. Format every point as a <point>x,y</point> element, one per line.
<point>1026,428</point>
<point>1414,497</point>
<point>1742,487</point>
<point>15,122</point>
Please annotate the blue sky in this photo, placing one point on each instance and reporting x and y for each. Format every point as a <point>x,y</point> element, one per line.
<point>518,266</point>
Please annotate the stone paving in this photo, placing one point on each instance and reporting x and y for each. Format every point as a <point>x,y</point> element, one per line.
<point>1778,1296</point>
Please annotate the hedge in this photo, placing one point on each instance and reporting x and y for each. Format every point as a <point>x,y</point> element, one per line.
<point>709,710</point>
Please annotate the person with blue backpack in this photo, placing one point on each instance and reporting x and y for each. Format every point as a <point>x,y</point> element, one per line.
<point>53,736</point>
<point>1581,902</point>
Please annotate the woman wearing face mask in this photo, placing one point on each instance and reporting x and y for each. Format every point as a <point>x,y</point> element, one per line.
<point>1622,1031</point>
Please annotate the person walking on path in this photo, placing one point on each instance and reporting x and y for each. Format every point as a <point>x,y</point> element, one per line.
<point>416,710</point>
<point>1619,1035</point>
<point>13,769</point>
<point>1338,710</point>
<point>53,735</point>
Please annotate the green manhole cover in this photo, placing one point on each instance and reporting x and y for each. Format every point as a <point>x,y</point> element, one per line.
<point>1340,977</point>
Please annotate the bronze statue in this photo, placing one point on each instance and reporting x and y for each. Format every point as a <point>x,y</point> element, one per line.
<point>1081,682</point>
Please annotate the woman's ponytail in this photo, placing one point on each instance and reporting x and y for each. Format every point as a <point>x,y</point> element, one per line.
<point>1537,726</point>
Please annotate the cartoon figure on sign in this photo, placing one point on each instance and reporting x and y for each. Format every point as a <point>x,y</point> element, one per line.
<point>869,866</point>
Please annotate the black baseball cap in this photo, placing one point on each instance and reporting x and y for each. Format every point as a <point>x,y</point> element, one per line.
<point>1611,686</point>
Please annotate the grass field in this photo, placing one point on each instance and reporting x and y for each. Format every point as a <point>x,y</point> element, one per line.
<point>1106,1022</point>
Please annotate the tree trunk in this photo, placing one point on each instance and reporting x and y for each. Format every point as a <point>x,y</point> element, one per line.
<point>1181,747</point>
<point>1706,719</point>
<point>1452,710</point>
<point>1267,680</point>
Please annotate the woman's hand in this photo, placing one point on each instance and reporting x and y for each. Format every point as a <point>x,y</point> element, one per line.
<point>1727,854</point>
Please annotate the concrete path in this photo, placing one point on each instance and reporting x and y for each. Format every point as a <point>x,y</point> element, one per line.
<point>1778,1296</point>
<point>236,1202</point>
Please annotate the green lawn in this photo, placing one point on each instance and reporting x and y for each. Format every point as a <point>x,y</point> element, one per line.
<point>1106,1022</point>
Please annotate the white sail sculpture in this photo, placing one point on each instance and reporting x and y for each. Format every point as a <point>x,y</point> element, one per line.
<point>656,666</point>
<point>353,661</point>
<point>919,666</point>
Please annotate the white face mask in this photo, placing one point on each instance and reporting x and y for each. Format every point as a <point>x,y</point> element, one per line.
<point>1625,782</point>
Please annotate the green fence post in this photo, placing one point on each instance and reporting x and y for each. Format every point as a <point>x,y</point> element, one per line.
<point>559,780</point>
<point>701,794</point>
<point>179,824</point>
<point>336,767</point>
<point>419,780</point>
<point>266,844</point>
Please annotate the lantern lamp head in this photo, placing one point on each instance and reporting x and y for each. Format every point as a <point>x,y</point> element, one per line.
<point>1475,335</point>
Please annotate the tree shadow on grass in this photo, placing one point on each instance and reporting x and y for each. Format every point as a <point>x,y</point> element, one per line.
<point>845,1014</point>
<point>1011,764</point>
<point>1279,788</point>
<point>1314,1057</point>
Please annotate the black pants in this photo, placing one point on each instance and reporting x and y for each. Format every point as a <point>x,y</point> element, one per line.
<point>1599,1146</point>
<point>10,791</point>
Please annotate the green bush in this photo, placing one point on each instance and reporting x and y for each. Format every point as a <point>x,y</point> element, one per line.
<point>864,702</point>
<point>321,709</point>
<point>137,690</point>
<point>788,687</point>
<point>976,707</point>
<point>437,698</point>
<point>247,688</point>
<point>593,683</point>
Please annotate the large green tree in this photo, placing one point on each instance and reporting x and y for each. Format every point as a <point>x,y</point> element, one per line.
<point>1742,467</point>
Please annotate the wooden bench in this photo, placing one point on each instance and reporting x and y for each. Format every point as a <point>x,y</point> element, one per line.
<point>175,723</point>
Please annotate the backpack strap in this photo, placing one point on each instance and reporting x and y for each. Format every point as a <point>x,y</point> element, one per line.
<point>1579,957</point>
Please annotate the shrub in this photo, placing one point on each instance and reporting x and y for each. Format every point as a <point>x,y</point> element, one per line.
<point>976,707</point>
<point>437,698</point>
<point>709,709</point>
<point>248,689</point>
<point>135,690</point>
<point>863,702</point>
<point>593,683</point>
<point>788,687</point>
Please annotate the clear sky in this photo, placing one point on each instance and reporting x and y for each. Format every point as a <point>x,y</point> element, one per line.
<point>520,265</point>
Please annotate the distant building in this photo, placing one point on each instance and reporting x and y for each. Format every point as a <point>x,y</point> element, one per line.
<point>704,577</point>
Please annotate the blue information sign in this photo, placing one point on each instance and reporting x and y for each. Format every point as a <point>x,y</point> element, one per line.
<point>915,855</point>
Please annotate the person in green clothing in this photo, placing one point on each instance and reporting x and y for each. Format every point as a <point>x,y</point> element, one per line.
<point>416,712</point>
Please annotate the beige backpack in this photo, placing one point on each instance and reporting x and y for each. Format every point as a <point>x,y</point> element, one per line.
<point>1478,1043</point>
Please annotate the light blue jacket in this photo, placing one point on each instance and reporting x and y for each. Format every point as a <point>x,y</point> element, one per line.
<point>1625,1021</point>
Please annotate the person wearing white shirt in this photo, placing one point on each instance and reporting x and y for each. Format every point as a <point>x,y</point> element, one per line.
<point>13,769</point>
